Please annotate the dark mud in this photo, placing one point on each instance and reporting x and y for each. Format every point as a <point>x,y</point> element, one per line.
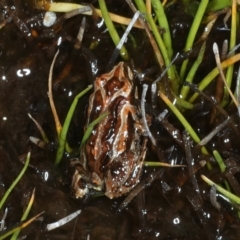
<point>171,207</point>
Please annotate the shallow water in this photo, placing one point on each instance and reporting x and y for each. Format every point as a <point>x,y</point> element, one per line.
<point>170,207</point>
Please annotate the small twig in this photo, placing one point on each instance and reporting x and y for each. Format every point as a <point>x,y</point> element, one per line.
<point>111,28</point>
<point>62,221</point>
<point>234,49</point>
<point>144,92</point>
<point>220,83</point>
<point>70,14</point>
<point>7,20</point>
<point>136,190</point>
<point>38,142</point>
<point>162,115</point>
<point>2,226</point>
<point>122,41</point>
<point>166,69</point>
<point>190,161</point>
<point>213,197</point>
<point>215,131</point>
<point>68,7</point>
<point>40,129</point>
<point>207,30</point>
<point>224,52</point>
<point>53,108</point>
<point>154,95</point>
<point>226,17</point>
<point>238,90</point>
<point>226,193</point>
<point>80,34</point>
<point>20,226</point>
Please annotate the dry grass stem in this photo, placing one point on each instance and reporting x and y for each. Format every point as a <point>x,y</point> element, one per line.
<point>50,95</point>
<point>218,62</point>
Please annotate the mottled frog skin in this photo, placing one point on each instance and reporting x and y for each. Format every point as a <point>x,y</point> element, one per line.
<point>111,161</point>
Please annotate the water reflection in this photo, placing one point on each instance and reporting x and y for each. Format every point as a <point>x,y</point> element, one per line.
<point>176,221</point>
<point>23,72</point>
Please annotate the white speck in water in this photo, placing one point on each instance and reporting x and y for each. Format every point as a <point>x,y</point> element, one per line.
<point>23,72</point>
<point>59,41</point>
<point>176,221</point>
<point>46,176</point>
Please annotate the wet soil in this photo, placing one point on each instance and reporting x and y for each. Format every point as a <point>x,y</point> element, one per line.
<point>170,206</point>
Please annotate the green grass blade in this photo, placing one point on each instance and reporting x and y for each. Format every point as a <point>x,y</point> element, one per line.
<point>63,134</point>
<point>185,123</point>
<point>25,215</point>
<point>219,160</point>
<point>112,31</point>
<point>161,164</point>
<point>216,5</point>
<point>15,181</point>
<point>163,22</point>
<point>226,193</point>
<point>192,34</point>
<point>90,128</point>
<point>182,103</point>
<point>141,7</point>
<point>211,76</point>
<point>19,227</point>
<point>222,167</point>
<point>192,72</point>
<point>232,44</point>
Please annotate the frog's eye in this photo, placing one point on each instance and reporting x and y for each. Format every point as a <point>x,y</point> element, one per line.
<point>79,185</point>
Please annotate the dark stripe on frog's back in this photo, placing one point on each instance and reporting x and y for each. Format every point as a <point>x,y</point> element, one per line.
<point>113,122</point>
<point>111,126</point>
<point>112,86</point>
<point>105,160</point>
<point>97,107</point>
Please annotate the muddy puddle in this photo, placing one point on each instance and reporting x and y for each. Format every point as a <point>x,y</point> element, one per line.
<point>174,203</point>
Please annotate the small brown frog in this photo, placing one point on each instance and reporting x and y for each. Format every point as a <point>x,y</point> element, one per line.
<point>111,161</point>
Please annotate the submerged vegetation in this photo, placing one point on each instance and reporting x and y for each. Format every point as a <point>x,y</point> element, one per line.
<point>189,87</point>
